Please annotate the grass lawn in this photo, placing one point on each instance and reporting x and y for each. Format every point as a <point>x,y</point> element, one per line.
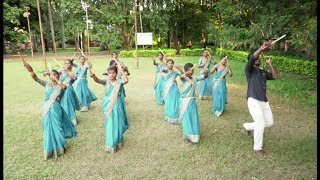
<point>153,148</point>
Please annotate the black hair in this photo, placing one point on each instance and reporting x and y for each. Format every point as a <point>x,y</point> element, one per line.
<point>170,60</point>
<point>222,56</point>
<point>187,66</point>
<point>70,60</point>
<point>56,72</point>
<point>161,53</point>
<point>114,68</point>
<point>114,52</point>
<point>111,62</point>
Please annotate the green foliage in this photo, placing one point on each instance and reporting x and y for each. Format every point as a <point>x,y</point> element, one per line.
<point>13,31</point>
<point>194,52</point>
<point>235,25</point>
<point>147,53</point>
<point>281,63</point>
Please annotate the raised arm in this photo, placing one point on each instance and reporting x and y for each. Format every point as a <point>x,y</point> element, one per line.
<point>58,82</point>
<point>179,68</point>
<point>74,65</point>
<point>29,68</point>
<point>165,69</point>
<point>262,48</point>
<point>200,65</point>
<point>183,76</point>
<point>124,76</point>
<point>255,56</point>
<point>215,67</point>
<point>154,62</point>
<point>97,80</point>
<point>273,70</point>
<point>230,71</point>
<point>89,64</point>
<point>71,74</point>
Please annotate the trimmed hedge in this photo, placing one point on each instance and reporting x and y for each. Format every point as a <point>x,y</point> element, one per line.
<point>194,52</point>
<point>147,53</point>
<point>168,52</point>
<point>281,63</point>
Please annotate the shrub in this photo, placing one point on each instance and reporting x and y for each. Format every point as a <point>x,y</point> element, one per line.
<point>281,63</point>
<point>194,52</point>
<point>147,53</point>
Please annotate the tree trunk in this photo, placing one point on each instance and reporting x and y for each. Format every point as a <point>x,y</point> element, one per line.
<point>176,41</point>
<point>84,44</point>
<point>203,40</point>
<point>13,47</point>
<point>159,40</point>
<point>62,32</point>
<point>46,45</point>
<point>169,39</point>
<point>51,27</point>
<point>34,41</point>
<point>76,42</point>
<point>183,41</point>
<point>124,28</point>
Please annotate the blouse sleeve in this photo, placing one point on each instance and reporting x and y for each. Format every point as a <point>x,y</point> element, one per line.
<point>200,61</point>
<point>199,78</point>
<point>165,69</point>
<point>177,72</point>
<point>183,79</point>
<point>42,82</point>
<point>102,81</point>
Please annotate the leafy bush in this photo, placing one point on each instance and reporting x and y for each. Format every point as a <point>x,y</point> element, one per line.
<point>147,53</point>
<point>195,52</point>
<point>281,63</point>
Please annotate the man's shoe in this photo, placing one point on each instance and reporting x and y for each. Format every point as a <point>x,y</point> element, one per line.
<point>260,153</point>
<point>248,133</point>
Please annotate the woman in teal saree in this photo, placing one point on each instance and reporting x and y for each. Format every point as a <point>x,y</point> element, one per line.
<point>56,124</point>
<point>84,94</point>
<point>219,89</point>
<point>171,94</point>
<point>112,108</point>
<point>188,111</point>
<point>158,84</point>
<point>69,100</point>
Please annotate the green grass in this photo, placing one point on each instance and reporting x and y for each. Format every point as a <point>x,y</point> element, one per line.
<point>154,149</point>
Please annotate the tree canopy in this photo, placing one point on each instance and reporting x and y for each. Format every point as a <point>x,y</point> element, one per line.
<point>232,24</point>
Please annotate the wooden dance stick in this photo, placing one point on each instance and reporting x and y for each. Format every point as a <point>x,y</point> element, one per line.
<point>81,52</point>
<point>192,68</point>
<point>90,71</point>
<point>50,70</point>
<point>74,55</point>
<point>152,58</point>
<point>58,63</point>
<point>24,62</point>
<point>278,39</point>
<point>88,61</point>
<point>223,59</point>
<point>209,54</point>
<point>162,53</point>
